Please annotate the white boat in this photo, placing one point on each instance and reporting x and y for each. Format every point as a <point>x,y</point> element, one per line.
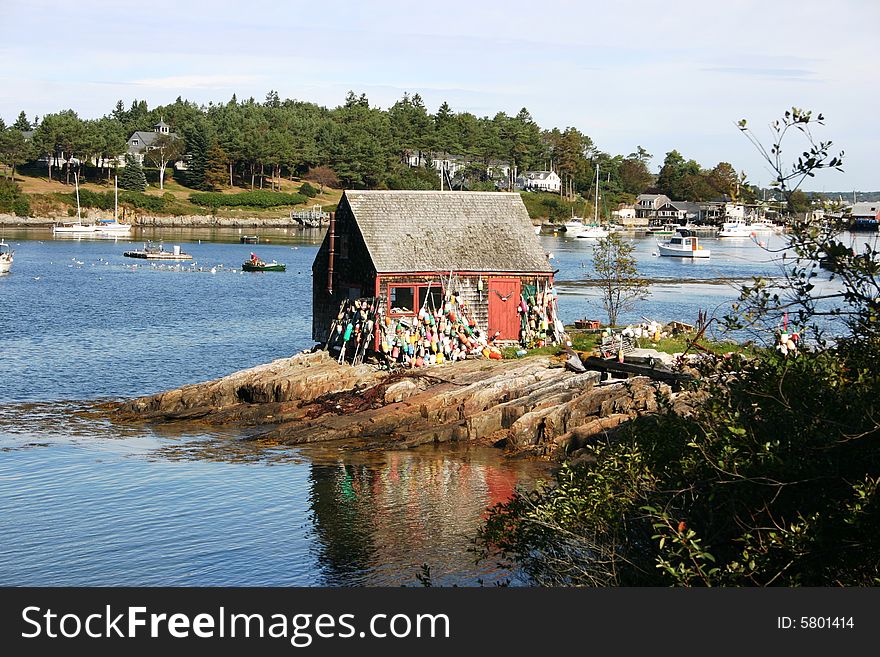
<point>764,226</point>
<point>735,229</point>
<point>112,226</point>
<point>5,257</point>
<point>683,247</point>
<point>592,233</point>
<point>104,227</point>
<point>574,226</point>
<point>666,229</point>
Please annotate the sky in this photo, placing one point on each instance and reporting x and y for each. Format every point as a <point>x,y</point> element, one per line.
<point>663,75</point>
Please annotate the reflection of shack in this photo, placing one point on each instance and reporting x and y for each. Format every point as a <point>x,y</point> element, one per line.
<point>314,217</point>
<point>409,249</point>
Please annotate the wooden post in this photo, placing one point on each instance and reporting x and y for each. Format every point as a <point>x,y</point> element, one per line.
<point>332,233</point>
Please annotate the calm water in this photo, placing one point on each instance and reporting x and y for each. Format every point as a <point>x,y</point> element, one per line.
<point>85,502</point>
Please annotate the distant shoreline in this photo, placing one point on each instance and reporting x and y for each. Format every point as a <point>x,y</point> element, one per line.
<point>149,221</point>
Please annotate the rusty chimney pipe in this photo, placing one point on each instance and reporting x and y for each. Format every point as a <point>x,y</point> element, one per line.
<point>332,230</point>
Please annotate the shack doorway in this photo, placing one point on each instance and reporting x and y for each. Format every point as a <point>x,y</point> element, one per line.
<point>503,304</point>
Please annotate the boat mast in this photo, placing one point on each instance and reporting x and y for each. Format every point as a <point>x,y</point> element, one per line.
<point>76,183</point>
<point>596,200</point>
<point>116,198</point>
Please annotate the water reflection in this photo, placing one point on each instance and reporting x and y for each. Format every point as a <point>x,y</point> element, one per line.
<point>377,522</point>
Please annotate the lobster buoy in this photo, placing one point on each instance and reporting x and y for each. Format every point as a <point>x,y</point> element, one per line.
<point>348,330</point>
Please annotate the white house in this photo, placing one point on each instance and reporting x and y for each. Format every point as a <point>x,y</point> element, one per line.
<point>545,181</point>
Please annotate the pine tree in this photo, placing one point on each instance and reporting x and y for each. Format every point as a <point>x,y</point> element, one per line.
<point>132,176</point>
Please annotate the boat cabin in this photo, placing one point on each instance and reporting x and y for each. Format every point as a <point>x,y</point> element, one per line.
<point>405,249</point>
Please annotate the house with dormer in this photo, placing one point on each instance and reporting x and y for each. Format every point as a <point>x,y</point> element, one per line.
<point>141,141</point>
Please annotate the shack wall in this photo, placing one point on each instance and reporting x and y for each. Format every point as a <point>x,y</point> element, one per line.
<point>353,273</point>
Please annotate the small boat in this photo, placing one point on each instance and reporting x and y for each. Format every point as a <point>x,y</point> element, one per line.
<point>666,229</point>
<point>592,233</point>
<point>153,252</point>
<point>249,239</point>
<point>683,247</point>
<point>260,265</point>
<point>5,257</point>
<point>574,226</point>
<point>735,229</point>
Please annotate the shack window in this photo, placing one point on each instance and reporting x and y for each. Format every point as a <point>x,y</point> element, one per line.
<point>434,296</point>
<point>401,299</point>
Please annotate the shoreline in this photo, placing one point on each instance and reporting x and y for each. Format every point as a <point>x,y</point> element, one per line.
<point>156,221</point>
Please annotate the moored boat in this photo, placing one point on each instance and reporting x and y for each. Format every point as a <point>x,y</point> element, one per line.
<point>592,233</point>
<point>735,229</point>
<point>258,264</point>
<point>5,257</point>
<point>683,247</point>
<point>153,252</point>
<point>249,239</point>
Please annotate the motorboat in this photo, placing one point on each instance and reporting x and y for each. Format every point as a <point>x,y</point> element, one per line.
<point>258,264</point>
<point>764,225</point>
<point>681,246</point>
<point>5,257</point>
<point>736,229</point>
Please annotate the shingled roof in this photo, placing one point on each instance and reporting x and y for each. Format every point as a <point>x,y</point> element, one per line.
<point>408,231</point>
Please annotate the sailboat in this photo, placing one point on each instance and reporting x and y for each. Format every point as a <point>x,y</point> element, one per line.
<point>74,227</point>
<point>104,227</point>
<point>112,227</point>
<point>595,231</point>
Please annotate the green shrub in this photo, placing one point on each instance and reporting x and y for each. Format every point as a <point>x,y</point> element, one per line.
<point>307,190</point>
<point>21,206</point>
<point>255,199</point>
<point>12,199</point>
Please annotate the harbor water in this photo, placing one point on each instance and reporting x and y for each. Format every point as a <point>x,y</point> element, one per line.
<point>87,502</point>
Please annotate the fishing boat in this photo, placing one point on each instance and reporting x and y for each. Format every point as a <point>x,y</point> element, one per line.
<point>5,257</point>
<point>153,252</point>
<point>683,247</point>
<point>258,264</point>
<point>735,229</point>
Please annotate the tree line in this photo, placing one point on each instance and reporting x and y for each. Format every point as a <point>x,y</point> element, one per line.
<point>355,145</point>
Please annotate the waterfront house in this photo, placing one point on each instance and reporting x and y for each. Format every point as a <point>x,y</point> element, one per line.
<point>865,215</point>
<point>407,247</point>
<point>658,209</point>
<point>543,181</point>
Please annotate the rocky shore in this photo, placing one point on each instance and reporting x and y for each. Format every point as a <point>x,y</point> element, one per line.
<point>534,404</point>
<point>182,221</point>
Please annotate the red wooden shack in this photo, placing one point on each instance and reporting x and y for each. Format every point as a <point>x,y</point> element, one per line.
<point>405,246</point>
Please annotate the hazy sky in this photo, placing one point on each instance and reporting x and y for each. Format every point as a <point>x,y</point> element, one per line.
<point>662,75</point>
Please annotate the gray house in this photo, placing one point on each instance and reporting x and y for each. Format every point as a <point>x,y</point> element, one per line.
<point>141,141</point>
